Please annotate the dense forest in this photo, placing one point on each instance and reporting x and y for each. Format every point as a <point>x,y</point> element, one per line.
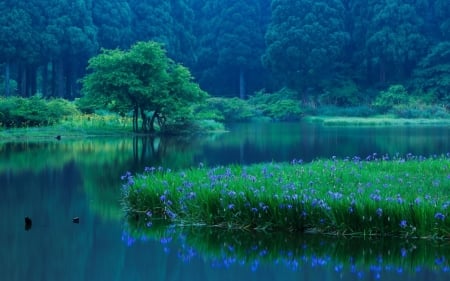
<point>330,51</point>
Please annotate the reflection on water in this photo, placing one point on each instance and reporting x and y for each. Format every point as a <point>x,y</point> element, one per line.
<point>53,182</point>
<point>346,258</point>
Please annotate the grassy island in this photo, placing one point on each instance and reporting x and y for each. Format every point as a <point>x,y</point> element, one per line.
<point>376,196</point>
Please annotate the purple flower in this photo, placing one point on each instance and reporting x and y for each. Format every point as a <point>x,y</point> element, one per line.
<point>126,176</point>
<point>403,252</point>
<point>379,212</point>
<point>171,214</point>
<point>191,195</point>
<point>375,196</point>
<point>403,224</point>
<point>149,213</point>
<point>439,216</point>
<point>149,169</point>
<point>230,206</point>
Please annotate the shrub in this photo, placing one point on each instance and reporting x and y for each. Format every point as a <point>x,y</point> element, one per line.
<point>395,95</point>
<point>224,109</point>
<point>340,92</point>
<point>282,105</point>
<point>34,111</point>
<point>354,111</point>
<point>420,111</point>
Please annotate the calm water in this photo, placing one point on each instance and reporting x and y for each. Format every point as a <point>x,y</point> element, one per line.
<point>53,182</point>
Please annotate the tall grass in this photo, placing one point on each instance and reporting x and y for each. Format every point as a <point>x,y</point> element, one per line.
<point>362,257</point>
<point>377,196</point>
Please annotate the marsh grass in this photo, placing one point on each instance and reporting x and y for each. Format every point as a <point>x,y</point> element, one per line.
<point>377,196</point>
<point>356,255</point>
<point>73,126</point>
<point>381,120</point>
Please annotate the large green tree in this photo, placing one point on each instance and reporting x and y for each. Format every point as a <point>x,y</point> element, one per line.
<point>15,30</point>
<point>231,36</point>
<point>395,40</point>
<point>113,21</point>
<point>432,75</point>
<point>305,40</point>
<point>143,81</point>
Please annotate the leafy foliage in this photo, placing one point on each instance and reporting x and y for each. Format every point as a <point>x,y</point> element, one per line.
<point>395,95</point>
<point>144,81</point>
<point>225,109</point>
<point>332,52</point>
<point>340,92</point>
<point>281,105</point>
<point>432,77</point>
<point>18,112</point>
<point>303,38</point>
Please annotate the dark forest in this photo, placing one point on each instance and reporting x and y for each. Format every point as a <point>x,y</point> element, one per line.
<point>337,52</point>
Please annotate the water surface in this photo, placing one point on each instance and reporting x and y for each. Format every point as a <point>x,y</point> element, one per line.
<point>53,181</point>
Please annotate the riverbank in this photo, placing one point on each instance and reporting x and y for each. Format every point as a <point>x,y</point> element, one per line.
<point>377,196</point>
<point>381,120</point>
<point>86,126</point>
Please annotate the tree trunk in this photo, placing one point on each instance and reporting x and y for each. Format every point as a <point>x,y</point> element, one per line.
<point>44,83</point>
<point>58,78</point>
<point>382,72</point>
<point>22,81</point>
<point>152,121</point>
<point>68,83</point>
<point>7,79</point>
<point>32,80</point>
<point>135,118</point>
<point>241,83</point>
<point>144,121</point>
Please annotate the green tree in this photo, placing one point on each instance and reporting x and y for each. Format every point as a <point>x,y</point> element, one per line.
<point>432,75</point>
<point>231,36</point>
<point>16,37</point>
<point>113,21</point>
<point>441,11</point>
<point>305,40</point>
<point>70,26</point>
<point>145,81</point>
<point>395,42</point>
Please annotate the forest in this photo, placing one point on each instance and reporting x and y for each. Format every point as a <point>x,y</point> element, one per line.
<point>336,52</point>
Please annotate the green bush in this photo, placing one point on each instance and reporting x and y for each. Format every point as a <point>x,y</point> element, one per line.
<point>18,112</point>
<point>394,96</point>
<point>224,110</point>
<point>340,92</point>
<point>354,111</point>
<point>420,111</point>
<point>281,106</point>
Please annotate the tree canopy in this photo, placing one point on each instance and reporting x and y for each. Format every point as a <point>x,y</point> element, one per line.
<point>233,48</point>
<point>144,81</point>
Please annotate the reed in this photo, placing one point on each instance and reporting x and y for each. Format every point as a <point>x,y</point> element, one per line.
<point>376,196</point>
<point>362,257</point>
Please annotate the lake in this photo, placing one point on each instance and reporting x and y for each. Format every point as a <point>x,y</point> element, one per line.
<point>53,182</point>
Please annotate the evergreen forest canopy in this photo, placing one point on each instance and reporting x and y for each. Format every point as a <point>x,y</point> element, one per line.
<point>328,51</point>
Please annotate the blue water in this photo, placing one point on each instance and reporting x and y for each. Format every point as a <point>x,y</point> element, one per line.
<point>52,182</point>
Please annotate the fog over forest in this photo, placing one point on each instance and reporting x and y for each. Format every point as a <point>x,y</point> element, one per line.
<point>338,50</point>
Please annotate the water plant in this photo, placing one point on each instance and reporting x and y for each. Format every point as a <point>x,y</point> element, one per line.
<point>405,196</point>
<point>352,257</point>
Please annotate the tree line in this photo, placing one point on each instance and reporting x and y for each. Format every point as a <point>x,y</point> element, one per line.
<point>334,51</point>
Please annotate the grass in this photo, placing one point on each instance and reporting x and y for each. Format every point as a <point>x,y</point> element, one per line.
<point>382,120</point>
<point>82,125</point>
<point>377,196</point>
<point>362,257</point>
<point>74,126</point>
